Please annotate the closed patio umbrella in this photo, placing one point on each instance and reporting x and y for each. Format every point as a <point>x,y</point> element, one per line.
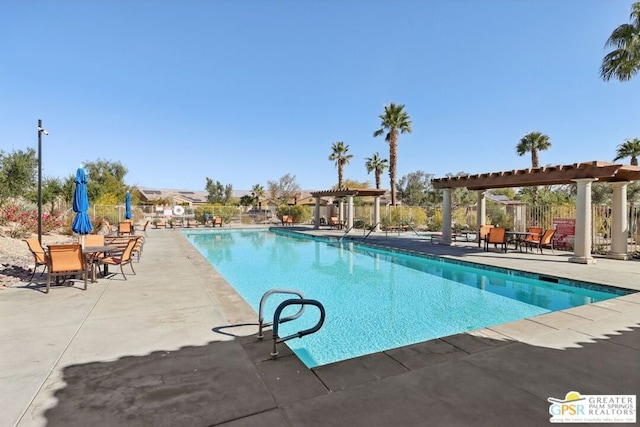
<point>81,223</point>
<point>127,204</point>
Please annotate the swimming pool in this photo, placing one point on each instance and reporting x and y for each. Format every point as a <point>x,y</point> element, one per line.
<point>376,300</point>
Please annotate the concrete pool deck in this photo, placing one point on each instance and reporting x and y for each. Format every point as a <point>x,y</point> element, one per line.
<point>175,346</point>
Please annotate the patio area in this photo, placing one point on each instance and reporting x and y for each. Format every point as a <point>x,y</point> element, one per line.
<point>175,345</point>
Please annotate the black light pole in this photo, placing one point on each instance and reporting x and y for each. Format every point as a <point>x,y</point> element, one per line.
<point>40,132</point>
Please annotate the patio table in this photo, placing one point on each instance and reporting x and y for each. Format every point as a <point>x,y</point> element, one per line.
<point>519,237</point>
<point>91,253</point>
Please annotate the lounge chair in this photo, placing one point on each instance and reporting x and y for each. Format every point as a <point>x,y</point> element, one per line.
<point>483,233</point>
<point>160,223</point>
<point>39,255</point>
<point>497,236</point>
<point>545,240</point>
<point>66,260</point>
<point>217,221</point>
<point>124,259</point>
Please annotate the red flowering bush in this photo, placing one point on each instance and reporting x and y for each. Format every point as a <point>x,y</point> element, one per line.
<point>23,221</point>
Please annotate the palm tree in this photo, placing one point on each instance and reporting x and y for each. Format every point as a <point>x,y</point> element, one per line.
<point>532,143</point>
<point>340,156</point>
<point>377,164</point>
<point>630,148</point>
<point>258,192</point>
<point>623,62</point>
<point>394,120</point>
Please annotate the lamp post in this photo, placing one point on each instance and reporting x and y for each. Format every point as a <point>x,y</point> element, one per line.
<point>40,132</point>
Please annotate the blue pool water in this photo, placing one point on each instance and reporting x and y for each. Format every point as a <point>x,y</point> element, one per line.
<point>375,300</point>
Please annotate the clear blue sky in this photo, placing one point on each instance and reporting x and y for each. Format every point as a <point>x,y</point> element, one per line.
<point>245,91</point>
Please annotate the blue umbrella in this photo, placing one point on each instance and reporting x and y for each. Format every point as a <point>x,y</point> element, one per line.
<point>127,204</point>
<point>81,223</point>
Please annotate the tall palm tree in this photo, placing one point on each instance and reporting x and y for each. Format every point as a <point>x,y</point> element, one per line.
<point>623,62</point>
<point>532,143</point>
<point>630,148</point>
<point>377,164</point>
<point>340,156</point>
<point>394,120</point>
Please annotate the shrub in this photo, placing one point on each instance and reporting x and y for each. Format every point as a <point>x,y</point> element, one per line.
<point>299,213</point>
<point>399,215</point>
<point>25,221</point>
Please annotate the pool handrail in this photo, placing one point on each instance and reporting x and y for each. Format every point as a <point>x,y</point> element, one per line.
<point>263,301</point>
<point>346,232</point>
<point>371,231</point>
<point>412,228</point>
<point>299,334</point>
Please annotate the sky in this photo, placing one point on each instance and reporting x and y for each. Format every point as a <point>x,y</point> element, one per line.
<point>246,91</point>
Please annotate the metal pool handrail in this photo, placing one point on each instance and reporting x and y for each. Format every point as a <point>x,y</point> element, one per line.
<point>346,232</point>
<point>413,229</point>
<point>371,231</point>
<point>263,301</point>
<point>299,334</point>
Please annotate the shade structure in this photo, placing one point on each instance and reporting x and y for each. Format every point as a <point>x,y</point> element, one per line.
<point>81,223</point>
<point>127,205</point>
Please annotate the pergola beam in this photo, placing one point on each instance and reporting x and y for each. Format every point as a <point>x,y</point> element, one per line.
<point>548,175</point>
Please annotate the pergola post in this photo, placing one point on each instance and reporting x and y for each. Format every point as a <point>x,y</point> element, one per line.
<point>316,215</point>
<point>481,211</point>
<point>349,212</point>
<point>619,223</point>
<point>446,216</point>
<point>582,246</point>
<point>376,213</point>
<point>349,194</point>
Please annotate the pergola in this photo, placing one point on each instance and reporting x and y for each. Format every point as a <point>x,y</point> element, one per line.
<point>350,193</point>
<point>581,174</point>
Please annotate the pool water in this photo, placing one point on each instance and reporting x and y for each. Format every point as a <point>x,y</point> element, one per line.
<point>375,300</point>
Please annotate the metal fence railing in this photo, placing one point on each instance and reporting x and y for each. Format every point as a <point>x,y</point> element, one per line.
<point>421,218</point>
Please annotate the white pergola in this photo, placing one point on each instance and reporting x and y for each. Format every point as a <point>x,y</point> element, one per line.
<point>350,193</point>
<point>581,174</point>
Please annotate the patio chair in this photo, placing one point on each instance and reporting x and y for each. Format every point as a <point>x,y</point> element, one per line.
<point>125,227</point>
<point>124,259</point>
<point>143,230</point>
<point>497,236</point>
<point>287,220</point>
<point>93,240</point>
<point>334,222</point>
<point>94,257</point>
<point>545,240</point>
<point>66,261</point>
<point>137,249</point>
<point>483,233</point>
<point>217,221</point>
<point>39,255</point>
<point>535,236</point>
